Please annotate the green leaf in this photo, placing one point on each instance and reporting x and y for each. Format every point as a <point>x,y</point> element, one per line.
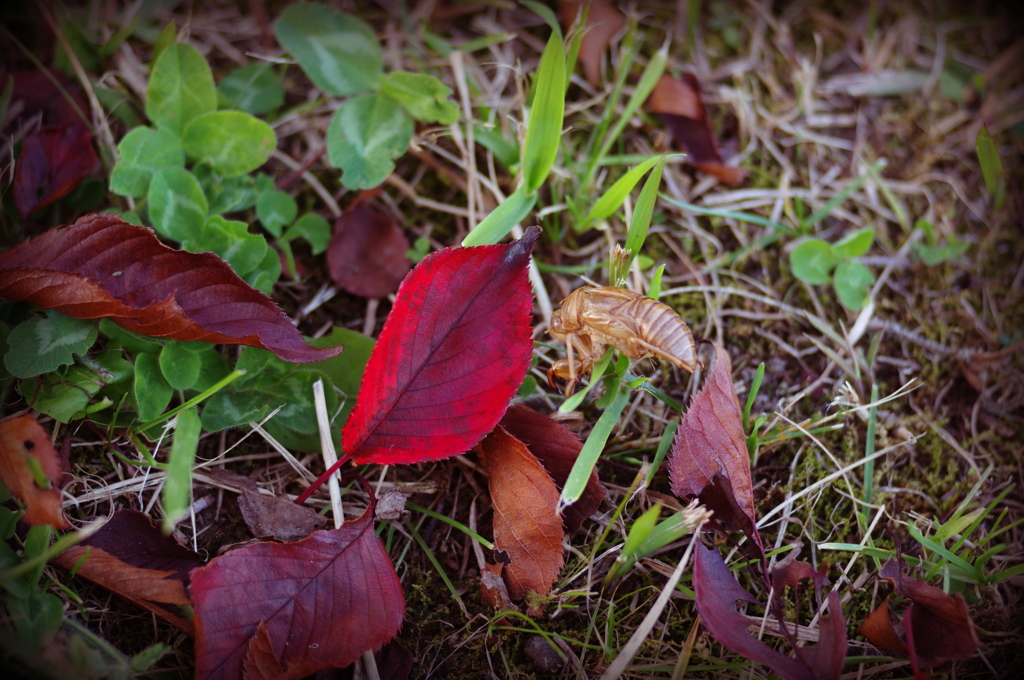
<point>852,282</point>
<point>314,229</point>
<point>616,194</point>
<point>177,206</point>
<point>339,53</point>
<point>423,96</point>
<point>231,194</point>
<point>253,88</point>
<point>365,136</point>
<point>178,483</point>
<point>166,38</point>
<point>643,212</point>
<point>991,166</point>
<point>544,129</point>
<point>179,365</point>
<point>491,139</point>
<point>130,340</point>
<point>853,245</point>
<point>37,616</point>
<point>152,393</point>
<point>812,261</point>
<point>933,255</point>
<point>143,151</point>
<point>230,408</point>
<point>232,142</point>
<point>180,88</point>
<point>44,344</point>
<point>276,210</point>
<point>213,368</point>
<point>230,240</point>
<point>266,274</point>
<point>500,221</point>
<point>63,395</point>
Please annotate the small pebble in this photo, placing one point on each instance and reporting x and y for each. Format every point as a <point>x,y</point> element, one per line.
<point>542,657</point>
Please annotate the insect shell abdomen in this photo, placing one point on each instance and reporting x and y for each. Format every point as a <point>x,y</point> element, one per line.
<point>667,333</point>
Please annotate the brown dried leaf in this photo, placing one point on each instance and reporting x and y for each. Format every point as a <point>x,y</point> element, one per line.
<point>22,438</point>
<point>367,253</point>
<point>557,448</point>
<point>604,20</point>
<point>526,523</point>
<point>880,632</point>
<point>103,267</point>
<point>278,518</point>
<point>940,623</point>
<point>709,454</point>
<point>493,590</point>
<point>131,557</point>
<point>678,102</point>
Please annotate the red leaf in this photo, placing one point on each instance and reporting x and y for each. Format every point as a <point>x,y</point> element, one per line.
<point>131,557</point>
<point>103,267</point>
<point>21,438</point>
<point>527,527</point>
<point>367,253</point>
<point>310,605</point>
<point>716,593</point>
<point>679,103</point>
<point>49,92</point>
<point>557,448</point>
<point>878,629</point>
<point>709,454</point>
<point>53,161</point>
<point>451,355</point>
<point>604,20</point>
<point>940,623</point>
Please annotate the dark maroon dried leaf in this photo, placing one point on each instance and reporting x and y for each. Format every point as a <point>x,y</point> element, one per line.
<point>716,592</point>
<point>367,253</point>
<point>101,266</point>
<point>709,454</point>
<point>53,161</point>
<point>296,607</point>
<point>557,448</point>
<point>678,102</point>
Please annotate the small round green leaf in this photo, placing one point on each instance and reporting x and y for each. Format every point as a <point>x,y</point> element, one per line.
<point>143,151</point>
<point>63,394</point>
<point>230,240</point>
<point>339,53</point>
<point>179,365</point>
<point>180,88</point>
<point>365,136</point>
<point>152,393</point>
<point>177,206</point>
<point>423,96</point>
<point>314,229</point>
<point>276,210</point>
<point>853,245</point>
<point>812,261</point>
<point>253,88</point>
<point>44,344</point>
<point>232,142</point>
<point>853,282</point>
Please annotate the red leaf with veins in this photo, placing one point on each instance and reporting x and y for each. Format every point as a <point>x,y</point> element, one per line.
<point>709,454</point>
<point>101,266</point>
<point>306,606</point>
<point>366,255</point>
<point>452,353</point>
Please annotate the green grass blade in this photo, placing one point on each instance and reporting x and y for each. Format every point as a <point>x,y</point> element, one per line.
<point>644,211</point>
<point>178,484</point>
<point>544,129</point>
<point>731,214</point>
<point>499,223</point>
<point>587,460</point>
<point>991,166</point>
<point>616,194</point>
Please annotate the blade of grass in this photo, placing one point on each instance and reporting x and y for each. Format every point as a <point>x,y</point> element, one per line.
<point>177,493</point>
<point>644,211</point>
<point>544,129</point>
<point>591,451</point>
<point>500,221</point>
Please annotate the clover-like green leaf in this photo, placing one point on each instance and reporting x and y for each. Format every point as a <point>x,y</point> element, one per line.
<point>853,245</point>
<point>339,53</point>
<point>812,261</point>
<point>180,88</point>
<point>365,136</point>
<point>423,96</point>
<point>232,142</point>
<point>276,210</point>
<point>177,205</point>
<point>43,344</point>
<point>143,151</point>
<point>852,281</point>
<point>232,241</point>
<point>253,88</point>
